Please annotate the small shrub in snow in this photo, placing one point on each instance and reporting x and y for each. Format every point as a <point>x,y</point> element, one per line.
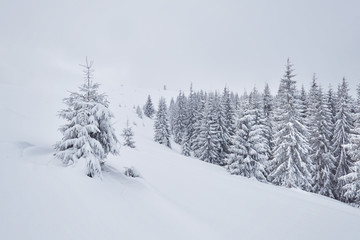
<point>131,172</point>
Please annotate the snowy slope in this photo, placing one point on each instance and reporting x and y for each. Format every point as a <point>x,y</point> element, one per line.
<point>176,198</point>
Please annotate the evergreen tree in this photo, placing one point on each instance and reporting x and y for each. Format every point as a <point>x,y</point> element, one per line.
<point>191,115</point>
<point>320,142</point>
<point>149,110</point>
<point>128,135</point>
<point>161,125</point>
<point>209,144</point>
<point>249,148</point>
<point>351,181</point>
<point>223,135</point>
<point>180,119</point>
<point>303,104</point>
<point>172,114</point>
<point>268,105</point>
<point>185,146</point>
<point>343,127</point>
<point>199,118</point>
<point>88,137</point>
<point>227,114</point>
<point>268,115</point>
<point>291,165</point>
<point>331,101</point>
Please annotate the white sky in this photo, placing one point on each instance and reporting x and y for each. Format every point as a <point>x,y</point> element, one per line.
<point>151,43</point>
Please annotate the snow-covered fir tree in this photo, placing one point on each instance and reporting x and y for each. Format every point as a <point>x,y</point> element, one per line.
<point>171,114</point>
<point>128,136</point>
<point>191,115</point>
<point>223,134</point>
<point>161,125</point>
<point>149,110</point>
<point>352,180</point>
<point>291,165</point>
<point>343,127</point>
<point>227,114</point>
<point>209,142</point>
<point>303,103</point>
<point>88,137</point>
<point>331,101</point>
<point>320,126</point>
<point>248,157</point>
<point>185,146</point>
<point>268,115</point>
<point>180,119</point>
<point>201,99</point>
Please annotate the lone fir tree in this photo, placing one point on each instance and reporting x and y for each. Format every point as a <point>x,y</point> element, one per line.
<point>128,135</point>
<point>88,135</point>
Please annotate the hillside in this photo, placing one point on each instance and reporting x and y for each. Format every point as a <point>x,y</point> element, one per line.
<point>176,197</point>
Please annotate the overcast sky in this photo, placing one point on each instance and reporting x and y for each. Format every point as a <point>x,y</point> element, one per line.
<point>240,44</point>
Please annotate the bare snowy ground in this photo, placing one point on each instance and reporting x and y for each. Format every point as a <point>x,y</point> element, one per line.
<point>176,198</point>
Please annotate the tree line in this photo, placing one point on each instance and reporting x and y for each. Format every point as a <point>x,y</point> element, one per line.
<point>297,139</point>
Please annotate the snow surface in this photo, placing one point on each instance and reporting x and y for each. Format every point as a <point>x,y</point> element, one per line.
<point>176,197</point>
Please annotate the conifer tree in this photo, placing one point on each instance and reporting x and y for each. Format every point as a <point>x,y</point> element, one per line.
<point>303,104</point>
<point>191,115</point>
<point>227,114</point>
<point>185,146</point>
<point>149,110</point>
<point>249,148</point>
<point>128,135</point>
<point>161,125</point>
<point>209,144</point>
<point>180,120</point>
<point>199,118</point>
<point>88,137</point>
<point>331,101</point>
<point>320,141</point>
<point>351,181</point>
<point>172,114</point>
<point>268,115</point>
<point>342,129</point>
<point>291,165</point>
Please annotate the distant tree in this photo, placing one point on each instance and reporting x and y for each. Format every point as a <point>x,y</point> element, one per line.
<point>88,137</point>
<point>161,125</point>
<point>128,135</point>
<point>149,110</point>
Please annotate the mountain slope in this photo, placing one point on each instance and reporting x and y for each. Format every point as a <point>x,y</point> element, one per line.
<point>177,197</point>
